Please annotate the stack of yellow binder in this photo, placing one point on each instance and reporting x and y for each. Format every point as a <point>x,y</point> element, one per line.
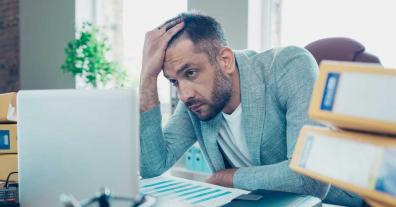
<point>357,151</point>
<point>8,136</point>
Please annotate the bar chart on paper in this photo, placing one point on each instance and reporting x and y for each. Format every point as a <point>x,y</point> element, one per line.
<point>188,191</point>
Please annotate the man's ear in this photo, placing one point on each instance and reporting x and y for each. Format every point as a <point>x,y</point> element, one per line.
<point>226,60</point>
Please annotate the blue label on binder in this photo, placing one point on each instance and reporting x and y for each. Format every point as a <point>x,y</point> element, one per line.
<point>5,140</point>
<point>329,92</point>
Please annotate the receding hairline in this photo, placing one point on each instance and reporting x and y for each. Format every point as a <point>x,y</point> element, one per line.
<point>205,32</point>
<point>210,48</point>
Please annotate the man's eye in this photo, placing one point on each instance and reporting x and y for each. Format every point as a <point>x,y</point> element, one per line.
<point>191,74</point>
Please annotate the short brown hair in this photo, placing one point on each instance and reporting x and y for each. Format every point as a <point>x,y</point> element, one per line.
<point>204,31</point>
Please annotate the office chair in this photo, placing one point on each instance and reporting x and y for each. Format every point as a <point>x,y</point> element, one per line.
<point>341,49</point>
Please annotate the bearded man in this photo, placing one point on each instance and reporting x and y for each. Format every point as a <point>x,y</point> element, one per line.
<point>245,109</point>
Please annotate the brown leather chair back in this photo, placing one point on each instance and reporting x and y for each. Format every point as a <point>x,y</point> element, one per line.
<point>341,49</point>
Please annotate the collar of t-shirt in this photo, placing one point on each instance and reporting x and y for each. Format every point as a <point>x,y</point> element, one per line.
<point>232,139</point>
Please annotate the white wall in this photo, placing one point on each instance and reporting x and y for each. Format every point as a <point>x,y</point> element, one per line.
<point>45,28</point>
<point>232,15</point>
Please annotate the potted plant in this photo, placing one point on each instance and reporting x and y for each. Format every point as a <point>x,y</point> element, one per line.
<point>86,57</point>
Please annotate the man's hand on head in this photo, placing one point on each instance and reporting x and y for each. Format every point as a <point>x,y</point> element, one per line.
<point>223,177</point>
<point>155,44</point>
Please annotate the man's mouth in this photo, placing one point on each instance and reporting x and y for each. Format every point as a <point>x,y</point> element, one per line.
<point>195,107</point>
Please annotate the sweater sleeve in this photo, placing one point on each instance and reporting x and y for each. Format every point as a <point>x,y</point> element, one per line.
<point>161,147</point>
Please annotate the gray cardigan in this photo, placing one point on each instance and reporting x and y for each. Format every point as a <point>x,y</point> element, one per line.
<point>276,86</point>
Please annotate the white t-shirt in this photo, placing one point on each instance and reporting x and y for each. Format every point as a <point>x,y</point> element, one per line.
<point>232,139</point>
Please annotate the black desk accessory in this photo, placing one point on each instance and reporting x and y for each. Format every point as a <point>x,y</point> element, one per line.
<point>9,193</point>
<point>102,199</point>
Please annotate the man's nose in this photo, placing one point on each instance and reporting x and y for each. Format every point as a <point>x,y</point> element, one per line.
<point>185,92</point>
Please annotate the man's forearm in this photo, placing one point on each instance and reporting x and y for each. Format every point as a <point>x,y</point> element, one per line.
<point>156,154</point>
<point>152,143</point>
<point>279,177</point>
<point>148,93</point>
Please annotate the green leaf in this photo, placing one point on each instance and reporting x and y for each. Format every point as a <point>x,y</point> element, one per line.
<point>85,56</point>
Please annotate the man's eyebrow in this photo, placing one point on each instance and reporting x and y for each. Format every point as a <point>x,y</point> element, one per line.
<point>183,68</point>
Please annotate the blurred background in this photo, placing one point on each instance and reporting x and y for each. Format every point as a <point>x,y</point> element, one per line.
<point>33,34</point>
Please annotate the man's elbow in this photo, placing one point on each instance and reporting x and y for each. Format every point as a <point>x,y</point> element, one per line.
<point>150,172</point>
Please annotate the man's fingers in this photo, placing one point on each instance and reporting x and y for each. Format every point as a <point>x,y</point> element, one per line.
<point>160,36</point>
<point>162,29</point>
<point>173,23</point>
<point>210,180</point>
<point>170,23</point>
<point>156,32</point>
<point>171,32</point>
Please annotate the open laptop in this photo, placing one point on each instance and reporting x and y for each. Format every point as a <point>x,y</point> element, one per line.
<point>75,142</point>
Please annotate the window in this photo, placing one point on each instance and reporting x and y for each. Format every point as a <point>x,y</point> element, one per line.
<point>125,23</point>
<point>140,17</point>
<point>370,22</point>
<point>264,21</point>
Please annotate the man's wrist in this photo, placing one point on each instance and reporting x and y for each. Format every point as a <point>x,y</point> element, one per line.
<point>148,79</point>
<point>224,177</point>
<point>148,92</point>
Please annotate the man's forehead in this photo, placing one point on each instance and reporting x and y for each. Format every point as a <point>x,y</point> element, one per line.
<point>178,50</point>
<point>180,54</point>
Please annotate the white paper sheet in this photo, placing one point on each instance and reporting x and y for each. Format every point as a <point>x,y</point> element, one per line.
<point>188,191</point>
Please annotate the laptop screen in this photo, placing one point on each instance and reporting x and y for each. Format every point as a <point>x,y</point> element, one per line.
<point>75,142</point>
